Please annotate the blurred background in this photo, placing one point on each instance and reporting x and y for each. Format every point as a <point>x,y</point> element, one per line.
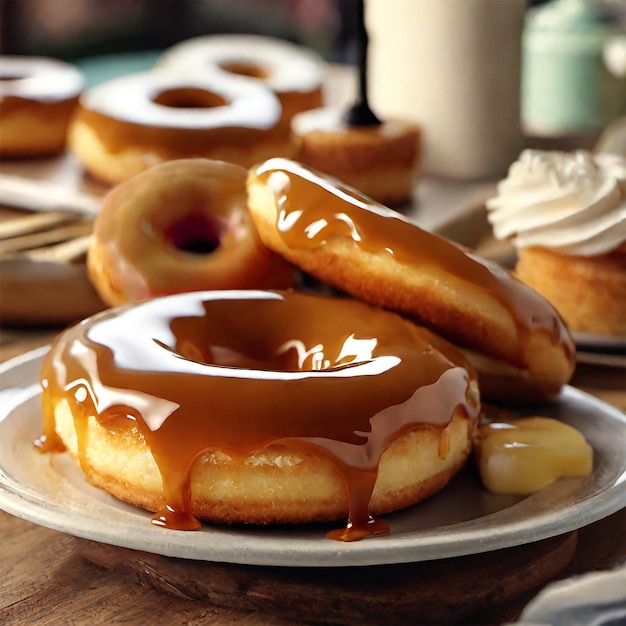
<point>84,31</point>
<point>564,47</point>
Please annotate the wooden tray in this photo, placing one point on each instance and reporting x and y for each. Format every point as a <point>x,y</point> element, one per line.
<point>451,591</point>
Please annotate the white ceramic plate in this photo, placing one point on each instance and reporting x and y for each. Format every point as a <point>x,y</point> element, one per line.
<point>462,519</point>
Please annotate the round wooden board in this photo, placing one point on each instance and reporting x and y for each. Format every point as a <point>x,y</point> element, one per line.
<point>450,591</point>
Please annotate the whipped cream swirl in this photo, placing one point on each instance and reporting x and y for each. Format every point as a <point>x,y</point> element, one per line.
<point>572,203</point>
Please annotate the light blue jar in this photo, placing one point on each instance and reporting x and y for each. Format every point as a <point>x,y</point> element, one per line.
<point>566,86</point>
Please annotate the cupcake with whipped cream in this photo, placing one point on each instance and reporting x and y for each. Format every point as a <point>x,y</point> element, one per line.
<point>565,213</point>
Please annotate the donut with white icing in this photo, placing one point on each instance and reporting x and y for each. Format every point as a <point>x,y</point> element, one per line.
<point>127,124</point>
<point>293,72</point>
<point>37,98</point>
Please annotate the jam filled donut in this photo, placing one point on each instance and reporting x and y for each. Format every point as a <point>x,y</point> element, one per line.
<point>180,226</point>
<point>249,407</point>
<point>129,123</point>
<point>294,73</point>
<point>37,98</point>
<point>518,343</point>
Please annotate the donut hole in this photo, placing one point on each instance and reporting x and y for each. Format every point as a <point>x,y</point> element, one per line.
<point>222,339</point>
<point>189,98</point>
<point>238,337</point>
<point>256,356</point>
<point>193,234</point>
<point>244,68</point>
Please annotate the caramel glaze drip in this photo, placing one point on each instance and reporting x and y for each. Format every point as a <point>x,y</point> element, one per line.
<point>237,371</point>
<point>313,210</point>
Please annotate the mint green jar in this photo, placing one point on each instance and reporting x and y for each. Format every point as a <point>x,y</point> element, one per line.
<point>566,86</point>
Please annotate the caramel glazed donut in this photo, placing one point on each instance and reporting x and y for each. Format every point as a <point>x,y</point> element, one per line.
<point>248,406</point>
<point>37,98</point>
<point>127,124</point>
<point>294,73</point>
<point>180,226</point>
<point>514,337</point>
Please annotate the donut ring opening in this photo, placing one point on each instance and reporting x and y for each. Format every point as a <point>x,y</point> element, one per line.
<point>189,98</point>
<point>245,68</point>
<point>194,234</point>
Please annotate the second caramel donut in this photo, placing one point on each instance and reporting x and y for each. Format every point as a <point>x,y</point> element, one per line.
<point>514,337</point>
<point>180,226</point>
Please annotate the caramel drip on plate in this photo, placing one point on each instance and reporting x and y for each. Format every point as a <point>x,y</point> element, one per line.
<point>313,210</point>
<point>238,371</point>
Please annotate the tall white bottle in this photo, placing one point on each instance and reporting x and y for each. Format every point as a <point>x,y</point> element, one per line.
<point>454,67</point>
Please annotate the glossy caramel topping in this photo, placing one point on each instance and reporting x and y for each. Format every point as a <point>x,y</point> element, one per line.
<point>313,210</point>
<point>524,455</point>
<point>236,371</point>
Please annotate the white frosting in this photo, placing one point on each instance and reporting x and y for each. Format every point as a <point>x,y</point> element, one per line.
<point>289,67</point>
<point>328,119</point>
<point>573,203</point>
<point>131,98</point>
<point>39,79</point>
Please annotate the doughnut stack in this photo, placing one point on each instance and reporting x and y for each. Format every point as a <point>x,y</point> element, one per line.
<point>204,395</point>
<point>380,158</point>
<point>229,98</point>
<point>236,98</point>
